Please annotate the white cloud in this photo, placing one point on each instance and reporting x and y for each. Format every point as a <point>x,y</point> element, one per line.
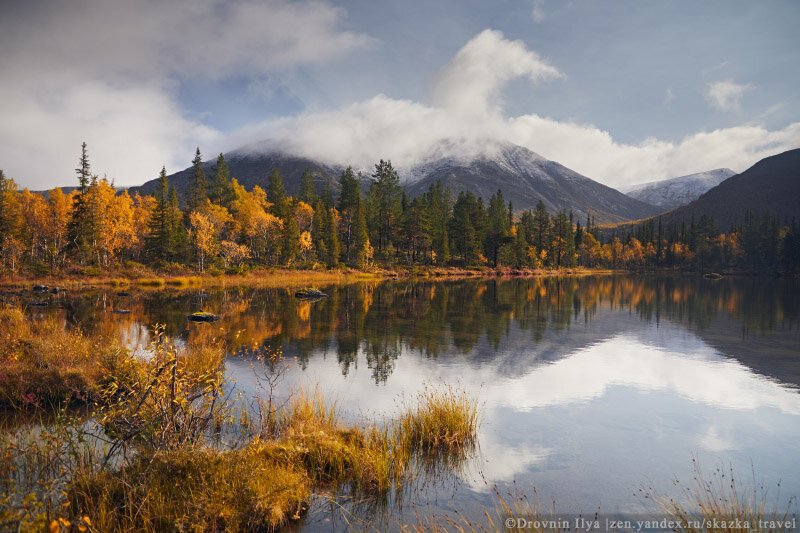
<point>107,72</point>
<point>726,95</point>
<point>404,131</point>
<point>130,132</point>
<point>467,108</point>
<point>471,82</point>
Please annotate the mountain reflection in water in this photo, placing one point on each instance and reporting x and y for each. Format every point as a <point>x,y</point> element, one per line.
<point>590,387</point>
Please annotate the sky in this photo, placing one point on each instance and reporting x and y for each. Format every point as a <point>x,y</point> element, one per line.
<point>622,91</point>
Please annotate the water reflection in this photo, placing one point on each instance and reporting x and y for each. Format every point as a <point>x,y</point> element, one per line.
<point>754,320</point>
<point>591,386</point>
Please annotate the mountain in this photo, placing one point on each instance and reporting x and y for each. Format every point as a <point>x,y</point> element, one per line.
<point>252,166</point>
<point>671,193</point>
<point>525,178</point>
<point>771,186</point>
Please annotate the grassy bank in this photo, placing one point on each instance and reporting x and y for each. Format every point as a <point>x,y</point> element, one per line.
<point>166,450</point>
<point>45,364</point>
<point>276,278</point>
<point>267,279</point>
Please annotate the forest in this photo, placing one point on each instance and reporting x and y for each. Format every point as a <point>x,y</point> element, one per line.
<point>219,227</point>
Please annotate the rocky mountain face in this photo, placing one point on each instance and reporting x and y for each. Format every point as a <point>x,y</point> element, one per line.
<point>671,193</point>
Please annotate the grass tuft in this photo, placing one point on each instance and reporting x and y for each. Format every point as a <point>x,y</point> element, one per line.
<point>442,420</point>
<point>722,502</point>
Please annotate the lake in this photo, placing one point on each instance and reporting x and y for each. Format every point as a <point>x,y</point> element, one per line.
<point>590,388</point>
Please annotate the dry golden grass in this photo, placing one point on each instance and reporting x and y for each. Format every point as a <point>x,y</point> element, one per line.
<point>721,505</point>
<point>46,364</point>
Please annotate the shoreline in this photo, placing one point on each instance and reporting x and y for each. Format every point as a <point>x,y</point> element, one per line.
<point>284,277</point>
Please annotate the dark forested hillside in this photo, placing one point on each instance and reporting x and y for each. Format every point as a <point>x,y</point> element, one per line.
<point>770,187</point>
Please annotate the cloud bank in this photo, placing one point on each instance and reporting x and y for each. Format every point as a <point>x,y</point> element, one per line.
<point>108,73</point>
<point>468,107</point>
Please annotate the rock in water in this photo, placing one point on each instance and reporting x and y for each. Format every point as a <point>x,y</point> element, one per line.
<point>203,316</point>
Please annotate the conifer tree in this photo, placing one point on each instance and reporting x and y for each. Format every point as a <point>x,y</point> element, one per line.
<point>499,230</point>
<point>384,203</point>
<point>308,193</point>
<point>318,227</point>
<point>332,239</point>
<point>222,192</point>
<point>82,227</point>
<point>178,231</point>
<point>290,238</point>
<point>276,195</point>
<point>349,204</point>
<point>160,238</point>
<point>198,186</point>
<point>541,227</point>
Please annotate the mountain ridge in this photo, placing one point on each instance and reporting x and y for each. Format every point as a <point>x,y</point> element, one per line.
<point>523,176</point>
<point>675,192</point>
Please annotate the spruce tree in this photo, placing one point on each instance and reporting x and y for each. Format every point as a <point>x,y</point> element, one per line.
<point>221,188</point>
<point>178,232</point>
<point>160,227</point>
<point>198,186</point>
<point>276,195</point>
<point>290,237</point>
<point>384,198</point>
<point>308,193</point>
<point>332,239</point>
<point>81,228</point>
<point>541,227</point>
<point>349,201</point>
<point>499,230</point>
<point>318,229</point>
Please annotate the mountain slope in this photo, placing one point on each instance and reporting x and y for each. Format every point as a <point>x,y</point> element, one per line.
<point>671,193</point>
<point>770,186</point>
<point>525,178</point>
<point>251,167</point>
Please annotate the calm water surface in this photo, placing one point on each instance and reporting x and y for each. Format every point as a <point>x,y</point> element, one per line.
<point>590,388</point>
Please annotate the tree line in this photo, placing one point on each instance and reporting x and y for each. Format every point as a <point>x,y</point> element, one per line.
<point>220,226</point>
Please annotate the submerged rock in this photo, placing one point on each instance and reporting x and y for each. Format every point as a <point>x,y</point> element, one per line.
<point>310,294</point>
<point>203,316</point>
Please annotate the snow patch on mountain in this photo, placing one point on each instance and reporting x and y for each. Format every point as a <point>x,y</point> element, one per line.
<point>679,191</point>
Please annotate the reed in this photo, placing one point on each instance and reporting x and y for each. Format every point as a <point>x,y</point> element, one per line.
<point>721,505</point>
<point>443,419</point>
<point>150,282</point>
